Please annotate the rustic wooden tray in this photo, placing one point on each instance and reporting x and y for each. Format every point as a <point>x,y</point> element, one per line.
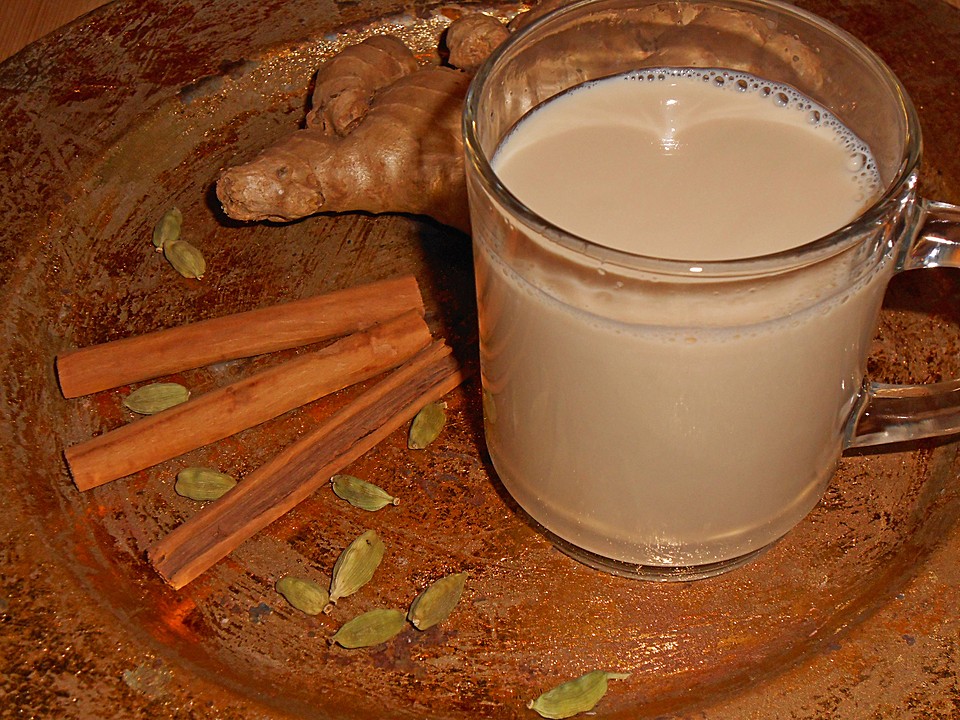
<point>135,108</point>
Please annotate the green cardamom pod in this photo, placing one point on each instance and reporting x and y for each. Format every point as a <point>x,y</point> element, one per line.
<point>361,494</point>
<point>185,258</point>
<point>167,228</point>
<point>435,604</point>
<point>305,595</point>
<point>575,696</point>
<point>156,397</point>
<point>371,628</point>
<point>199,483</point>
<point>427,425</point>
<point>356,565</point>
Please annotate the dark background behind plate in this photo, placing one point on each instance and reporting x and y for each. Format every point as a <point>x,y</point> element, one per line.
<point>23,21</point>
<point>135,108</point>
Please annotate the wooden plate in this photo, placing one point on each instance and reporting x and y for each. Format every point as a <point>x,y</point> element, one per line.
<point>135,109</point>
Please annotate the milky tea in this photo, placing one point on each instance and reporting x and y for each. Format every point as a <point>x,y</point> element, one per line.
<point>655,429</point>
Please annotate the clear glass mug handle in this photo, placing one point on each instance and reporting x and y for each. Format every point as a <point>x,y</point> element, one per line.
<point>896,413</point>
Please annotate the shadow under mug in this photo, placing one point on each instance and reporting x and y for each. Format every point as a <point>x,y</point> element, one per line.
<point>668,419</point>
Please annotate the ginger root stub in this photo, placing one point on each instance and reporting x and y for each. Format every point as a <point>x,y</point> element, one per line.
<point>383,135</point>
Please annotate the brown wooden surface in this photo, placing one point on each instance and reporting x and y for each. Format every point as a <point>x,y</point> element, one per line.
<point>23,21</point>
<point>111,122</point>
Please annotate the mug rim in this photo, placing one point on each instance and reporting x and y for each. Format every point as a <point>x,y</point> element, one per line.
<point>808,253</point>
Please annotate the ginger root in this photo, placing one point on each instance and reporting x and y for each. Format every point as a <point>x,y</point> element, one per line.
<point>387,163</point>
<point>346,84</point>
<point>472,38</point>
<point>383,135</point>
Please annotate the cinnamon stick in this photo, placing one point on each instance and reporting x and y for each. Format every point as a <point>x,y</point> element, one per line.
<point>292,324</point>
<point>298,471</point>
<point>245,403</point>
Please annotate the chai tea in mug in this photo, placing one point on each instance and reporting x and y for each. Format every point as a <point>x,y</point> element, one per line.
<point>648,436</point>
<point>685,216</point>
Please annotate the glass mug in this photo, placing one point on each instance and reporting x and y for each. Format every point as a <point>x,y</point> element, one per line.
<point>670,419</point>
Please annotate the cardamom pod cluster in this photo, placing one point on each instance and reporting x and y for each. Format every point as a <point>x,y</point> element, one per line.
<point>358,562</point>
<point>184,257</point>
<point>430,607</point>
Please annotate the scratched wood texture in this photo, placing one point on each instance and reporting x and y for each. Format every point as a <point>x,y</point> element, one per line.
<point>853,616</point>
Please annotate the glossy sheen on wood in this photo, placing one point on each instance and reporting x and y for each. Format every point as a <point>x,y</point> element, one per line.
<point>135,109</point>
